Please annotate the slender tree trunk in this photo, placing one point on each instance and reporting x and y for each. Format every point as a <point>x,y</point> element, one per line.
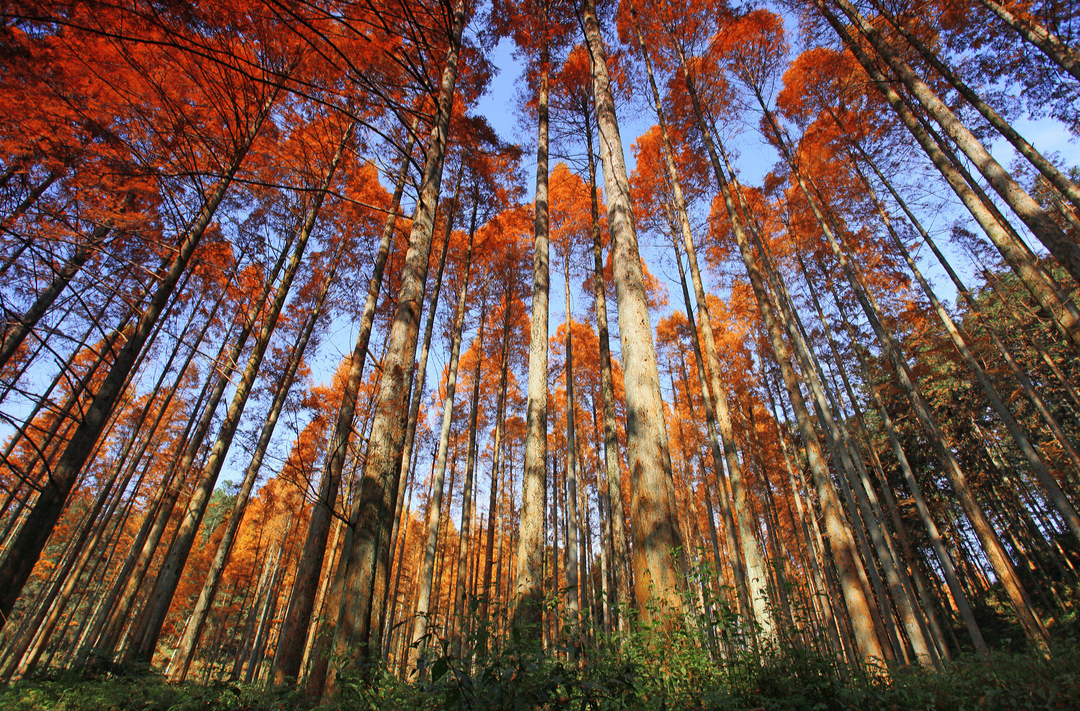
<point>467,505</point>
<point>367,566</point>
<point>486,591</point>
<point>418,393</point>
<point>573,530</point>
<point>620,560</point>
<point>423,603</point>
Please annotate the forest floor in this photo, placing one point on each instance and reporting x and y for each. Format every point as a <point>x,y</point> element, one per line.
<point>672,680</point>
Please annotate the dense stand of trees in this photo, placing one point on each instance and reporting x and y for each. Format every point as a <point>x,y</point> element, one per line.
<point>853,429</point>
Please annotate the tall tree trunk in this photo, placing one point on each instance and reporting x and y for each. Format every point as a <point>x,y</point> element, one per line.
<point>744,598</point>
<point>423,604</point>
<point>372,515</point>
<point>655,528</point>
<point>529,586</point>
<point>417,394</point>
<point>752,561</point>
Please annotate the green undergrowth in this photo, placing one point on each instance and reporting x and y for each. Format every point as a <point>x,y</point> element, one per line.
<point>653,670</point>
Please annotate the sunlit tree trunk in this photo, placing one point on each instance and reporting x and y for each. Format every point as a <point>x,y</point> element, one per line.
<point>429,328</point>
<point>530,554</point>
<point>655,529</point>
<point>750,573</point>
